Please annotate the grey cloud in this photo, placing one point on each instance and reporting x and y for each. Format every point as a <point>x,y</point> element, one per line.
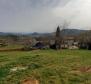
<point>43,15</point>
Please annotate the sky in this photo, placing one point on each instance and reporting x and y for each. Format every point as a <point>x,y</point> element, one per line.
<point>44,15</point>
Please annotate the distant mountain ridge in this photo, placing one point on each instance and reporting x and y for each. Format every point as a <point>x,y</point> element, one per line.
<point>35,34</point>
<point>70,32</point>
<point>65,32</point>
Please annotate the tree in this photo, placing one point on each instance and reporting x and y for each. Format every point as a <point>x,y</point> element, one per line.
<point>65,25</point>
<point>85,40</point>
<point>57,39</point>
<point>58,32</point>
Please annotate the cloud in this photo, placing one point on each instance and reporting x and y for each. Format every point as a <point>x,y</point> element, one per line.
<point>43,15</point>
<point>78,12</point>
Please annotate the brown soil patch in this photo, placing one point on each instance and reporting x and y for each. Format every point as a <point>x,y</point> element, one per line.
<point>89,70</point>
<point>30,81</point>
<point>85,69</point>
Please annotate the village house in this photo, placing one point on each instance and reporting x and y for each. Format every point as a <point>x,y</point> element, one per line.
<point>69,43</point>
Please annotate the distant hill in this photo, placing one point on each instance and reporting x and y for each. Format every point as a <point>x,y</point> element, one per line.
<point>2,33</point>
<point>9,33</point>
<point>64,32</point>
<point>70,32</point>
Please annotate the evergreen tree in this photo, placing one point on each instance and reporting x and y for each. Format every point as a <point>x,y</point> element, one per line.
<point>57,39</point>
<point>58,32</point>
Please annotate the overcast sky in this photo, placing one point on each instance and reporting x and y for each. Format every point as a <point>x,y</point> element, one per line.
<point>43,15</point>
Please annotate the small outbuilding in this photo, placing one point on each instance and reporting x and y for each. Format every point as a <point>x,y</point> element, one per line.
<point>39,45</point>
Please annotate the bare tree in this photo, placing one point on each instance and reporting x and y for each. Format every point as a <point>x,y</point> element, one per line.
<point>64,25</point>
<point>85,40</point>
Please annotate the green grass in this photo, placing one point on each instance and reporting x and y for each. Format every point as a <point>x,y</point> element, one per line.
<point>13,46</point>
<point>47,66</point>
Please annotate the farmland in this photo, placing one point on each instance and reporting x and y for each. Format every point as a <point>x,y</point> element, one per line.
<point>46,66</point>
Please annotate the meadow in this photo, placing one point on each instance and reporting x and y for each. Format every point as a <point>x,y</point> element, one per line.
<point>46,66</point>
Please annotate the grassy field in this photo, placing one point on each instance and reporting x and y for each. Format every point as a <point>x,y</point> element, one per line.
<point>46,66</point>
<point>13,46</point>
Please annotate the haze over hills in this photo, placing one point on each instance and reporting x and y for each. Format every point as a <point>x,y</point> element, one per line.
<point>69,32</point>
<point>34,34</point>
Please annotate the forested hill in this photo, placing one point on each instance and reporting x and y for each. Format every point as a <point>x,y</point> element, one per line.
<point>63,32</point>
<point>70,32</point>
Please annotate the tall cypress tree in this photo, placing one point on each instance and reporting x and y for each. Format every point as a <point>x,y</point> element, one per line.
<point>58,32</point>
<point>57,39</point>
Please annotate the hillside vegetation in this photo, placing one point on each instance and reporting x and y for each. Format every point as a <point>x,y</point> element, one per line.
<point>46,66</point>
